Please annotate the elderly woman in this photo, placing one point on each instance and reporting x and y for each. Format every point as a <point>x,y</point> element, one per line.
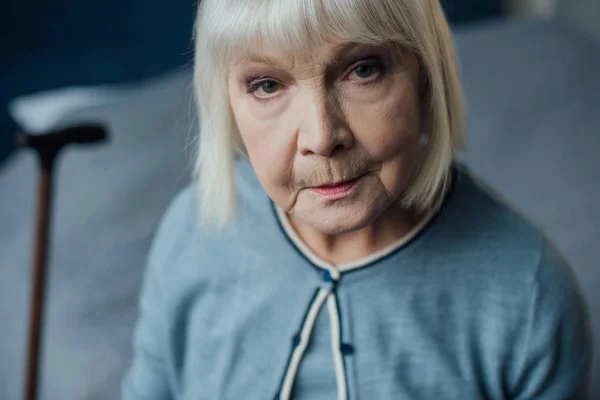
<point>332,247</point>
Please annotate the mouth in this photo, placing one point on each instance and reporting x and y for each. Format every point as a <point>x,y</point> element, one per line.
<point>336,190</point>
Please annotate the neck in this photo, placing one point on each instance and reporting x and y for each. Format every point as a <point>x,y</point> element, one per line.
<point>388,228</point>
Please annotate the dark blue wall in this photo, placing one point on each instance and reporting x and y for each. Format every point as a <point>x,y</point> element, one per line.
<point>464,11</point>
<point>49,44</point>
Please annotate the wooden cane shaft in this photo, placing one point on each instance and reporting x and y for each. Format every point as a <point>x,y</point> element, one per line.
<point>36,305</point>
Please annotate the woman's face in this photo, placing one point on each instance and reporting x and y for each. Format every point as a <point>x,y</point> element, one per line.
<point>334,136</point>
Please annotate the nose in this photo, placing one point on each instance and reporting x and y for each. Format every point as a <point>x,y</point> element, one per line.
<point>323,131</point>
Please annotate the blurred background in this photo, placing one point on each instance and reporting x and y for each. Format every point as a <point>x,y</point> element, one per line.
<point>531,77</point>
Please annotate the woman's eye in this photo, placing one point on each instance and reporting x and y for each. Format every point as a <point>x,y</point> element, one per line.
<point>269,87</point>
<point>264,88</point>
<point>366,71</point>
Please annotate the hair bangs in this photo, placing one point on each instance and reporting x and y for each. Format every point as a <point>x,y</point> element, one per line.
<point>298,27</point>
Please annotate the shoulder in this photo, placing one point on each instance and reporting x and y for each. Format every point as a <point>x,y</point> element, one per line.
<point>522,279</point>
<point>555,287</point>
<point>175,228</point>
<point>507,249</point>
<point>184,249</point>
<point>478,223</point>
<point>181,223</point>
<point>553,345</point>
<point>496,251</point>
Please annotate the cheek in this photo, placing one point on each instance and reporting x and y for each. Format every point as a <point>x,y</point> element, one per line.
<point>389,130</point>
<point>388,127</point>
<point>269,148</point>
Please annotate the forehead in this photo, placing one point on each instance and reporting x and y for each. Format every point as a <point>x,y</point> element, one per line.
<point>272,54</point>
<point>326,54</point>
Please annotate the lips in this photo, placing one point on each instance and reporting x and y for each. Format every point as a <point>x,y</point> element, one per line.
<point>335,190</point>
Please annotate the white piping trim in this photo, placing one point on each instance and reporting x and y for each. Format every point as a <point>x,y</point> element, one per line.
<point>336,347</point>
<point>308,324</point>
<point>392,247</point>
<point>308,253</point>
<point>336,271</point>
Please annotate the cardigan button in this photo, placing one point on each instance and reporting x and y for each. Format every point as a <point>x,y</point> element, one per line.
<point>296,340</point>
<point>347,349</point>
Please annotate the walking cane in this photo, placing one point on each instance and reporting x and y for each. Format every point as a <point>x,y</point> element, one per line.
<point>47,147</point>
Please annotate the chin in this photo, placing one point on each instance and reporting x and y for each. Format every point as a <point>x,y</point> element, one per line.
<point>339,219</point>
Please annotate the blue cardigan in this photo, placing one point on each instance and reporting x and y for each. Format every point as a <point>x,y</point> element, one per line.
<point>474,304</point>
